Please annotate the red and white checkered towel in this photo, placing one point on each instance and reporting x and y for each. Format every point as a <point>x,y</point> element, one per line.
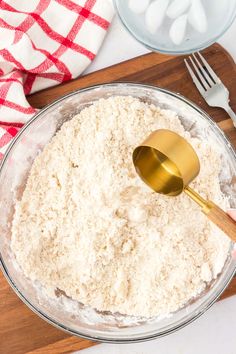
<point>44,43</point>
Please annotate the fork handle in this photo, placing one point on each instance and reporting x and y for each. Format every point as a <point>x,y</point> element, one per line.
<point>232,115</point>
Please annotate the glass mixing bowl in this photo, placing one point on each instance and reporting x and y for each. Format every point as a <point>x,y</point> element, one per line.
<point>70,315</point>
<point>220,16</point>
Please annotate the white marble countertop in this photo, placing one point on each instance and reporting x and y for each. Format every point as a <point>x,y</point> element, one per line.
<point>214,332</point>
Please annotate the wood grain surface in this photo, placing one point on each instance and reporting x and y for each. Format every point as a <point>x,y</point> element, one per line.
<point>21,331</point>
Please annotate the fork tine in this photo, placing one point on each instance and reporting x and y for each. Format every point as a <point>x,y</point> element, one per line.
<point>210,70</point>
<point>200,75</point>
<point>194,77</point>
<point>203,70</point>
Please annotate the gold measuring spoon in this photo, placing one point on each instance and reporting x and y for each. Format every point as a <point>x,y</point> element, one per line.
<point>167,163</point>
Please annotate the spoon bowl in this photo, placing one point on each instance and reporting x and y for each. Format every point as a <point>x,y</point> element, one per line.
<point>166,162</point>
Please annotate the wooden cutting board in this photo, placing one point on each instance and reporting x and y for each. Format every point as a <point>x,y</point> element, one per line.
<point>21,331</point>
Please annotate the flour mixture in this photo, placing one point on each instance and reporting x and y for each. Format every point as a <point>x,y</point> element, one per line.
<point>88,226</point>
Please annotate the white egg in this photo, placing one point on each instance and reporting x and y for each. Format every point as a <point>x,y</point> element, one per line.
<point>178,29</point>
<point>155,14</point>
<point>177,8</point>
<point>138,6</point>
<point>197,16</point>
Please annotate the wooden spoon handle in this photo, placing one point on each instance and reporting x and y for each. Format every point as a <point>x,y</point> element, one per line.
<point>221,219</point>
<point>214,213</point>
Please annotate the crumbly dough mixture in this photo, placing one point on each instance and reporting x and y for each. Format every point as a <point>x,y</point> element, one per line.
<point>87,224</point>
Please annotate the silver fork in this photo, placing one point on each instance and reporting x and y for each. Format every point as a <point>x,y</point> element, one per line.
<point>208,84</point>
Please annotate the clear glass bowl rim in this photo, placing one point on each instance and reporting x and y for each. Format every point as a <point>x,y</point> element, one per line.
<point>43,315</point>
<point>173,52</point>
